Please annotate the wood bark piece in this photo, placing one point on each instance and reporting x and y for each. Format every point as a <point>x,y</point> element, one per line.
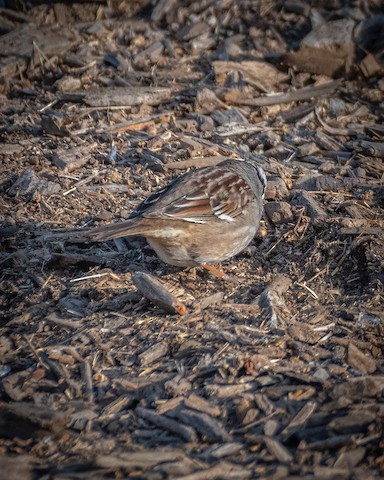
<point>63,322</point>
<point>17,385</point>
<point>305,93</point>
<point>279,212</point>
<point>157,293</point>
<point>214,299</point>
<point>161,8</point>
<point>25,420</point>
<point>355,422</point>
<point>112,188</point>
<point>207,101</point>
<point>336,441</point>
<point>132,461</point>
<point>278,450</point>
<point>300,419</point>
<point>359,360</point>
<point>228,391</point>
<point>53,123</point>
<point>28,183</point>
<point>374,149</point>
<point>132,96</point>
<point>86,375</point>
<point>328,49</point>
<point>73,158</point>
<point>16,466</point>
<point>207,426</point>
<point>202,405</point>
<point>350,458</point>
<point>18,45</point>
<point>186,433</point>
<point>64,260</point>
<point>116,406</point>
<point>227,449</point>
<point>271,301</point>
<point>327,183</point>
<point>197,162</point>
<point>313,209</point>
<point>11,149</point>
<point>254,71</point>
<point>370,66</point>
<point>358,388</point>
<point>276,188</point>
<point>220,471</point>
<point>154,353</point>
<point>140,124</point>
<point>304,333</point>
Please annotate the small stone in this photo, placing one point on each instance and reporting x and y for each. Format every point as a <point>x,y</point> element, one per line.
<point>279,212</point>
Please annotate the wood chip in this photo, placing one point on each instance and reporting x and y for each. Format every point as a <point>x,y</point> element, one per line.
<point>358,388</point>
<point>210,428</point>
<point>312,206</point>
<point>132,461</point>
<point>186,433</point>
<point>254,71</point>
<point>300,419</point>
<point>154,353</point>
<point>202,405</point>
<point>328,49</point>
<point>157,293</point>
<point>221,470</point>
<point>278,450</point>
<point>123,96</point>
<point>25,420</point>
<point>73,158</point>
<point>19,466</point>
<point>359,360</point>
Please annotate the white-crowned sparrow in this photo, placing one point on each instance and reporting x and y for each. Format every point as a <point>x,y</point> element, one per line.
<point>202,217</point>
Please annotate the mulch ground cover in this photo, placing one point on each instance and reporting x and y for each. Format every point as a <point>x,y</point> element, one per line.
<point>275,372</point>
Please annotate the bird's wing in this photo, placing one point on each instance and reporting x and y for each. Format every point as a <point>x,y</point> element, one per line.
<point>215,193</point>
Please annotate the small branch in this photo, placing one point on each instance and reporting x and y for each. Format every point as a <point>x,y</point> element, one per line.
<point>305,93</point>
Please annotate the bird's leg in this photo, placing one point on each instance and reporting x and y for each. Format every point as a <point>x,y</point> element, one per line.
<point>215,271</point>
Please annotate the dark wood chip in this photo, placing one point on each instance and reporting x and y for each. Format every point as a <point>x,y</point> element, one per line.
<point>157,293</point>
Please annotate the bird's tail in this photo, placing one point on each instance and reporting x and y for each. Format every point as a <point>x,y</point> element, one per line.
<point>114,230</point>
<point>98,234</point>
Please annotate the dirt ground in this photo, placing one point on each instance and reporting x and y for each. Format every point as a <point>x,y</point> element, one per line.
<point>276,372</point>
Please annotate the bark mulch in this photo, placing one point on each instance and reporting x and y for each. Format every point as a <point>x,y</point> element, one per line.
<point>114,365</point>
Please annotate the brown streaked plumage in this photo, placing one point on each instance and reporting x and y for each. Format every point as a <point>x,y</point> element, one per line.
<point>202,217</point>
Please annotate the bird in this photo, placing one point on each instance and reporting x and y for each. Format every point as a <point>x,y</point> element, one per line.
<point>202,217</point>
